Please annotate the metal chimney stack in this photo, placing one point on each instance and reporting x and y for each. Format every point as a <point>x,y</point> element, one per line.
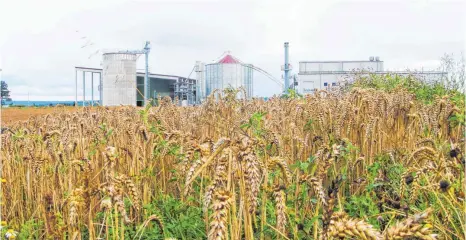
<point>286,68</point>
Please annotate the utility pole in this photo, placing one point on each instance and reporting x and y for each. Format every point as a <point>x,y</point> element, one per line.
<point>84,89</point>
<point>76,87</point>
<point>92,88</point>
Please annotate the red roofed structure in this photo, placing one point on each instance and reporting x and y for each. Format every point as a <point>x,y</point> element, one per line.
<point>225,72</point>
<point>228,59</point>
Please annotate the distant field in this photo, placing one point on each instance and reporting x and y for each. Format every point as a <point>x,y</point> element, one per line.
<point>13,114</point>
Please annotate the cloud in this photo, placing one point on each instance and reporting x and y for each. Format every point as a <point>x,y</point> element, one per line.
<point>41,54</point>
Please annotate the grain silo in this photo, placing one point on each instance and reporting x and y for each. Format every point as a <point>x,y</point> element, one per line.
<point>225,73</point>
<point>119,79</point>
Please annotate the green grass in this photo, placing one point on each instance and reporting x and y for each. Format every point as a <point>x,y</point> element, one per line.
<point>424,92</point>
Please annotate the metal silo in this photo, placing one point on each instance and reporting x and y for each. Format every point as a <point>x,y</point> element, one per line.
<point>228,72</point>
<point>119,79</point>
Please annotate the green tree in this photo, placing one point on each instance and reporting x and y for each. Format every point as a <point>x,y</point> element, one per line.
<point>455,67</point>
<point>5,96</point>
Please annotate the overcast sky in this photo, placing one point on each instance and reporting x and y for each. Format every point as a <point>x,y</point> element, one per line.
<point>42,41</point>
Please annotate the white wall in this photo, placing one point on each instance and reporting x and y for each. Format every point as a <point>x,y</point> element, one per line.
<point>330,67</point>
<point>309,67</point>
<point>307,83</point>
<point>119,80</point>
<point>321,75</point>
<point>340,66</point>
<point>319,81</point>
<point>369,66</point>
<point>328,79</point>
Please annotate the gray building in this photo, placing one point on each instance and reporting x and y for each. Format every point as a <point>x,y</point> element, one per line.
<point>160,85</point>
<point>167,85</point>
<point>314,75</point>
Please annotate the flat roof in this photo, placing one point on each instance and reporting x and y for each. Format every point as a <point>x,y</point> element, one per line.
<point>339,61</point>
<point>376,72</point>
<point>139,74</point>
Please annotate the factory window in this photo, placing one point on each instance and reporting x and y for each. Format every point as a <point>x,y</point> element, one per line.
<point>325,84</point>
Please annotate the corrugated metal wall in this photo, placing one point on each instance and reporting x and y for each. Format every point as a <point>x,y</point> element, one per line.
<point>220,76</point>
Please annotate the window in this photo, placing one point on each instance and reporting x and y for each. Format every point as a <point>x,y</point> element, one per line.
<point>325,84</point>
<point>334,84</point>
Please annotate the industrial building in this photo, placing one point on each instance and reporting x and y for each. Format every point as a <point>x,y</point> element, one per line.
<point>228,72</point>
<point>121,84</point>
<point>314,75</point>
<point>128,88</point>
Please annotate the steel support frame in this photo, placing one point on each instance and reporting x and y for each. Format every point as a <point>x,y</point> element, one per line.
<point>99,88</point>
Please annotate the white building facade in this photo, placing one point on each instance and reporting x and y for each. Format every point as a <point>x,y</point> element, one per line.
<point>315,75</point>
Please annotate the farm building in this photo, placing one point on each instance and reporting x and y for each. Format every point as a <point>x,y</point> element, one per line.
<point>119,83</point>
<point>323,74</point>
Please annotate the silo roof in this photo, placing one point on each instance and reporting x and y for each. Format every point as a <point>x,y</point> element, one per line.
<point>228,59</point>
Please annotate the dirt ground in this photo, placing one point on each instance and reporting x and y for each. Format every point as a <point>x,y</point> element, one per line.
<point>12,114</point>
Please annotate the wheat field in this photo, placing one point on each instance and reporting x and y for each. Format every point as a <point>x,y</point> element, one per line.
<point>358,164</point>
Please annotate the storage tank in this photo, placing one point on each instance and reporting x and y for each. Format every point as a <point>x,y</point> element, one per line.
<point>228,72</point>
<point>119,79</point>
